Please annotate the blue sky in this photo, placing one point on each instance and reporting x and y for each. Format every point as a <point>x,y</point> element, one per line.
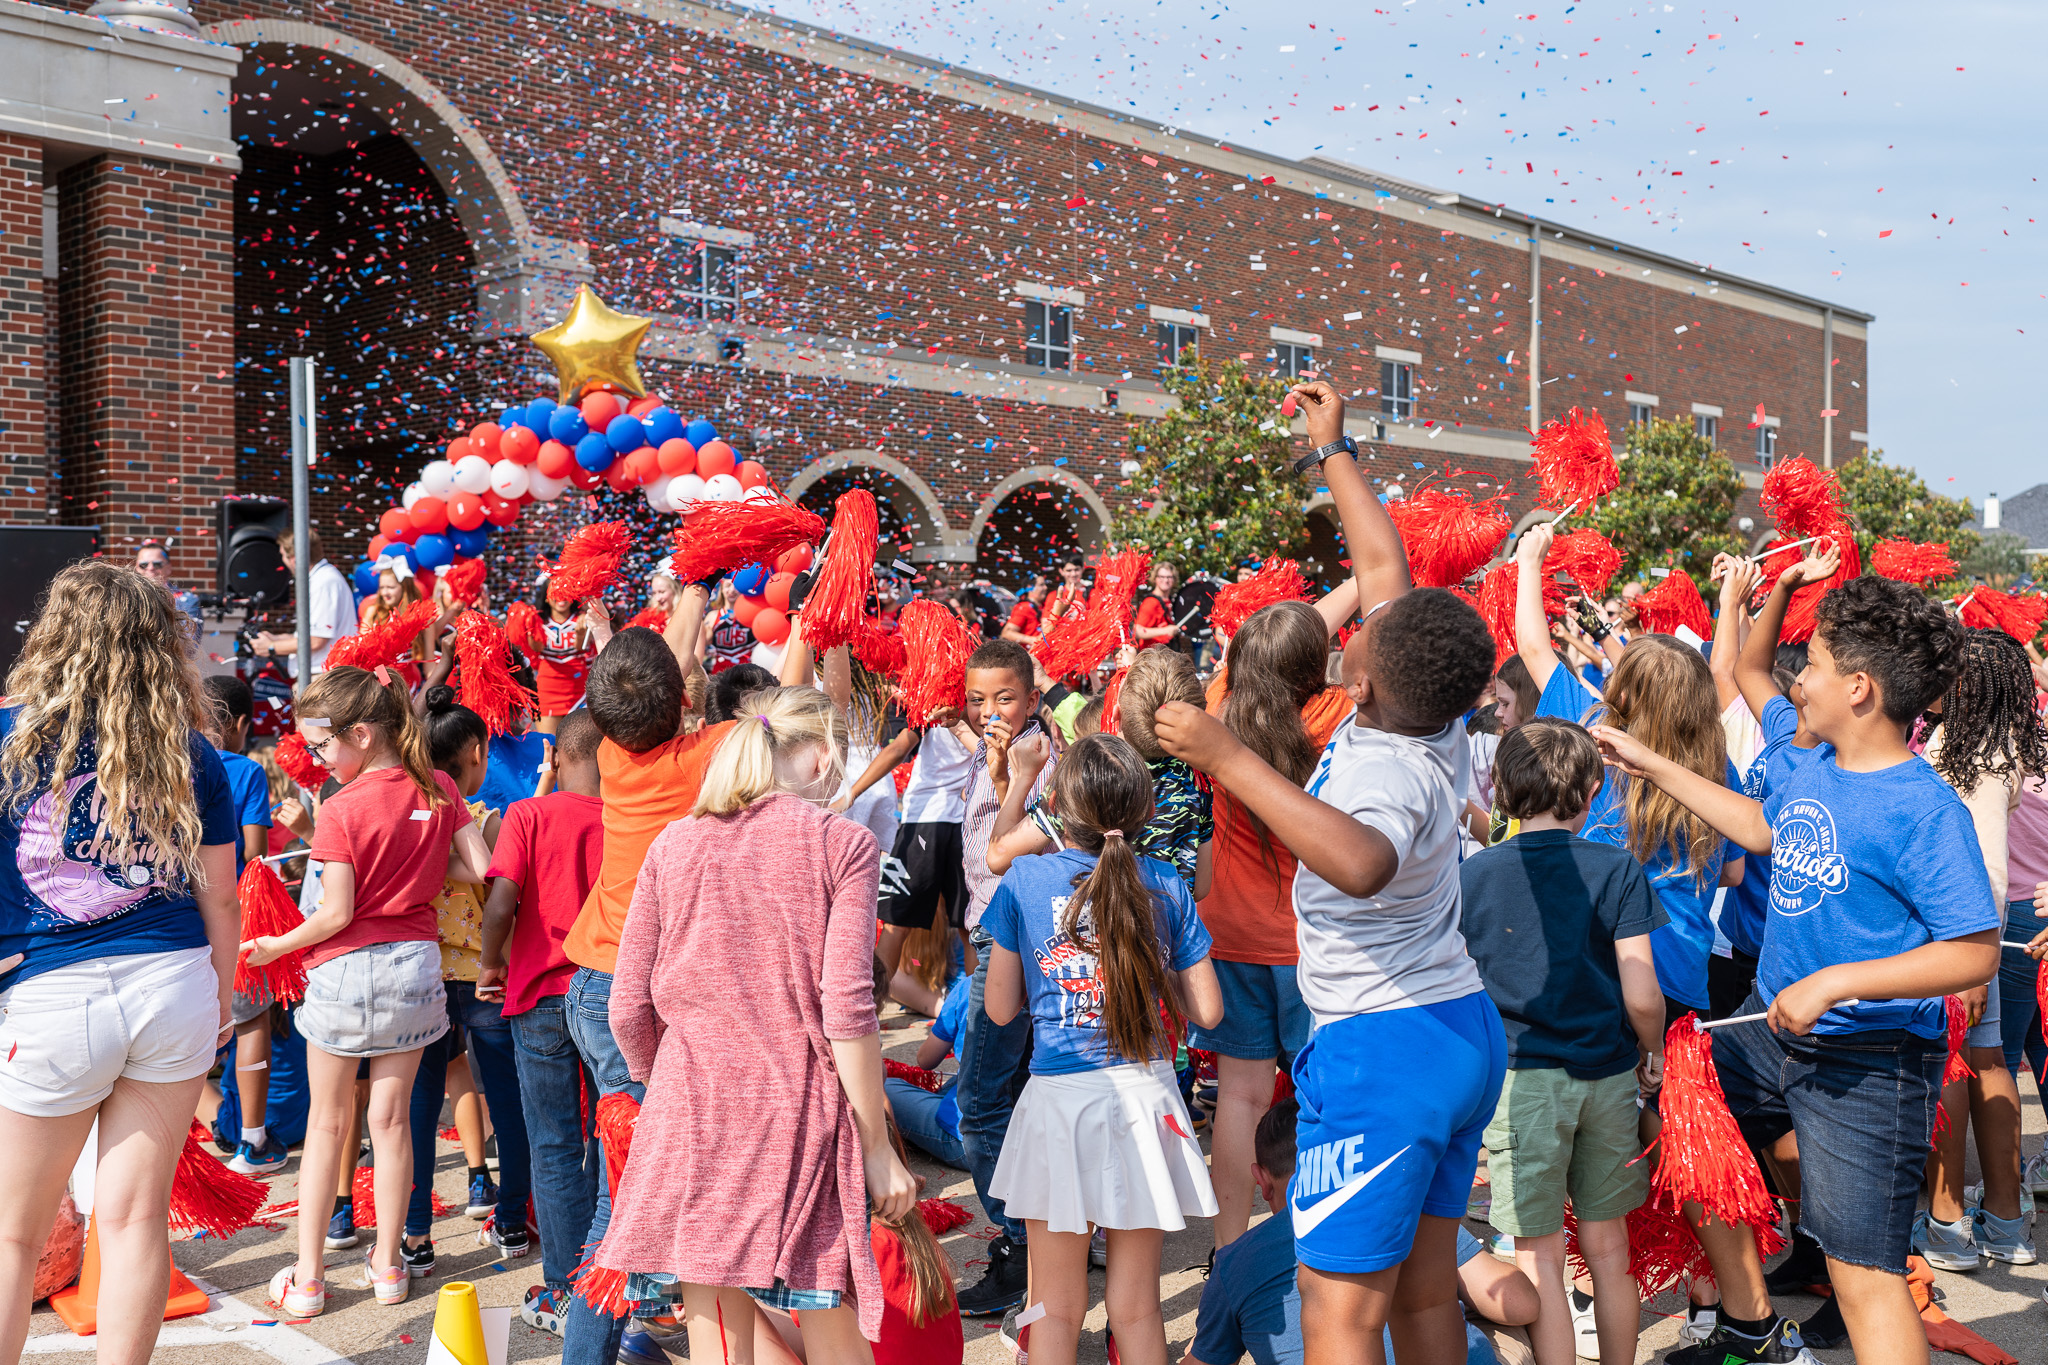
<point>1885,158</point>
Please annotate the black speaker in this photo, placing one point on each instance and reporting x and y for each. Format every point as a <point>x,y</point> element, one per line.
<point>248,563</point>
<point>30,556</point>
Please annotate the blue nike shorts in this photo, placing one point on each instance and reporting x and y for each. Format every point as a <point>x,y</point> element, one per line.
<point>1397,1102</point>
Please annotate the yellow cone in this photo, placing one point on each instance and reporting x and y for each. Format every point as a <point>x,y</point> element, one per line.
<point>458,1327</point>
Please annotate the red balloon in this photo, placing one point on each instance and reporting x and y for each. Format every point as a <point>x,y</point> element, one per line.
<point>777,591</point>
<point>677,456</point>
<point>556,460</point>
<point>715,458</point>
<point>520,445</point>
<point>458,448</point>
<point>643,465</point>
<point>499,511</point>
<point>465,511</point>
<point>484,438</point>
<point>620,476</point>
<point>579,477</point>
<point>771,627</point>
<point>745,609</point>
<point>396,525</point>
<point>429,516</point>
<point>751,473</point>
<point>598,411</point>
<point>794,561</point>
<point>640,407</point>
<point>378,544</point>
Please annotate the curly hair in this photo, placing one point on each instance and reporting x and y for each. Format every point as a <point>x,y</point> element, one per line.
<point>1905,641</point>
<point>1988,723</point>
<point>1430,656</point>
<point>105,666</point>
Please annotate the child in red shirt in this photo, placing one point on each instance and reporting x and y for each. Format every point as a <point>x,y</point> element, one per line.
<point>386,841</point>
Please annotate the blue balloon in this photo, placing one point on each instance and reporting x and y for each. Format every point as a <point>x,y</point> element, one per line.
<point>434,552</point>
<point>625,433</point>
<point>662,426</point>
<point>470,544</point>
<point>514,417</point>
<point>407,552</point>
<point>567,426</point>
<point>699,431</point>
<point>366,577</point>
<point>537,414</point>
<point>749,581</point>
<point>594,452</point>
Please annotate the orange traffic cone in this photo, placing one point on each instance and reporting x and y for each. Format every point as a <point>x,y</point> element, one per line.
<point>78,1306</point>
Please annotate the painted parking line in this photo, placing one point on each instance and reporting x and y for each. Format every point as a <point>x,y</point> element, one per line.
<point>225,1323</point>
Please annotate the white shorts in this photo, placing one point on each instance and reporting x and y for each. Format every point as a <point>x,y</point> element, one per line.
<point>67,1035</point>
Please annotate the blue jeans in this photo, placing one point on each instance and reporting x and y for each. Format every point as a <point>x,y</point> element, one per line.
<point>2019,1017</point>
<point>917,1114</point>
<point>489,1041</point>
<point>588,1336</point>
<point>566,1168</point>
<point>1262,1014</point>
<point>994,1065</point>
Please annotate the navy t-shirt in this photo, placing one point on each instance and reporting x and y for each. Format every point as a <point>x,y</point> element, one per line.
<point>1865,866</point>
<point>1683,945</point>
<point>1542,913</point>
<point>62,897</point>
<point>1062,979</point>
<point>249,789</point>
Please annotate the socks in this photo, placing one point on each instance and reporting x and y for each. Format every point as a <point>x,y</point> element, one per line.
<point>257,1136</point>
<point>1760,1328</point>
<point>476,1172</point>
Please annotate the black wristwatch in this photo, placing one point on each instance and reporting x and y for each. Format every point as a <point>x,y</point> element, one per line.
<point>1321,453</point>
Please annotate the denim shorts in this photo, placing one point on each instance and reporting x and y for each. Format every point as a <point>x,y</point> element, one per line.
<point>1863,1106</point>
<point>378,999</point>
<point>1262,1013</point>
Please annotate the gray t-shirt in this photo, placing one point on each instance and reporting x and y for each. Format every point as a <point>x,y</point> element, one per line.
<point>1402,947</point>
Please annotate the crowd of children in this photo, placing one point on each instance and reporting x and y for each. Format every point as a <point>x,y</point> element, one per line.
<point>1411,896</point>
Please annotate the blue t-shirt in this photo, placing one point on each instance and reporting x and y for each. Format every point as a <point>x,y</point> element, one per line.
<point>946,1028</point>
<point>1865,866</point>
<point>513,766</point>
<point>1682,946</point>
<point>63,901</point>
<point>1062,983</point>
<point>1742,913</point>
<point>249,788</point>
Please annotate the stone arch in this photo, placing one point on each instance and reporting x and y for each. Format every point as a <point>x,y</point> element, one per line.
<point>1041,473</point>
<point>906,492</point>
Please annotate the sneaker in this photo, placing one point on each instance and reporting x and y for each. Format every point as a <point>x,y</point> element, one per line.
<point>250,1160</point>
<point>638,1347</point>
<point>1825,1330</point>
<point>1974,1195</point>
<point>1782,1345</point>
<point>1018,1339</point>
<point>514,1241</point>
<point>1585,1332</point>
<point>1802,1272</point>
<point>483,1197</point>
<point>390,1286</point>
<point>1098,1250</point>
<point>341,1228</point>
<point>1947,1246</point>
<point>1700,1321</point>
<point>1001,1286</point>
<point>417,1260</point>
<point>542,1311</point>
<point>2002,1239</point>
<point>1498,1245</point>
<point>2035,1177</point>
<point>295,1300</point>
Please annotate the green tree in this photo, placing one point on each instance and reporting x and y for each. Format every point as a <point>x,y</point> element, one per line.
<point>1674,505</point>
<point>1999,558</point>
<point>1888,502</point>
<point>1213,472</point>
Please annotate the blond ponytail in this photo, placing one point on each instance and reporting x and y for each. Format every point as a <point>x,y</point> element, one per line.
<point>772,723</point>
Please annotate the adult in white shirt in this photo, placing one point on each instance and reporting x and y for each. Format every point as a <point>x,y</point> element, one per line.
<point>330,606</point>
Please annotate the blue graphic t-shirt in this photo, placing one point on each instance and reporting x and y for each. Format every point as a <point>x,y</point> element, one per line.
<point>1864,866</point>
<point>63,899</point>
<point>1742,914</point>
<point>249,789</point>
<point>1682,946</point>
<point>1062,982</point>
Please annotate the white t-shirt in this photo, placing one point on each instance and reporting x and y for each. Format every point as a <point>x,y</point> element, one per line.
<point>1402,947</point>
<point>331,611</point>
<point>937,791</point>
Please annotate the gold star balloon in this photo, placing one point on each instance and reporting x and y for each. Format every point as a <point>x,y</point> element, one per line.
<point>595,344</point>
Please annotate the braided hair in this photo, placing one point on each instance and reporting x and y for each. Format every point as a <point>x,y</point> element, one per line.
<point>1989,725</point>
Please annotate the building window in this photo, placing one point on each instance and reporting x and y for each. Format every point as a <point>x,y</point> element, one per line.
<point>1707,428</point>
<point>710,287</point>
<point>1639,414</point>
<point>1397,388</point>
<point>1766,445</point>
<point>1176,338</point>
<point>1292,360</point>
<point>1048,335</point>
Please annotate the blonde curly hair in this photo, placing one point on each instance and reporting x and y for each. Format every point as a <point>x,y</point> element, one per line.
<point>106,663</point>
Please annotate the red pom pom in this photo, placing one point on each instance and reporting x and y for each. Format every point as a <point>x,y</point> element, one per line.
<point>487,685</point>
<point>590,562</point>
<point>208,1197</point>
<point>465,579</point>
<point>918,1076</point>
<point>1673,603</point>
<point>604,1290</point>
<point>1704,1159</point>
<point>1801,614</point>
<point>386,642</point>
<point>1081,640</point>
<point>1908,562</point>
<point>1496,606</point>
<point>1804,498</point>
<point>718,537</point>
<point>1575,462</point>
<point>879,647</point>
<point>1585,557</point>
<point>1447,535</point>
<point>650,619</point>
<point>935,674</point>
<point>1112,695</point>
<point>832,613</point>
<point>292,756</point>
<point>1278,580</point>
<point>616,1115</point>
<point>267,911</point>
<point>2017,615</point>
<point>942,1215</point>
<point>522,623</point>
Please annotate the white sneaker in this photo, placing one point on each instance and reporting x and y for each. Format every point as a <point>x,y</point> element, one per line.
<point>1700,1322</point>
<point>390,1286</point>
<point>2002,1239</point>
<point>295,1300</point>
<point>2034,1179</point>
<point>1585,1332</point>
<point>1946,1246</point>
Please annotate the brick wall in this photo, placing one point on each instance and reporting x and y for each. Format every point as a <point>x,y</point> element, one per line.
<point>24,457</point>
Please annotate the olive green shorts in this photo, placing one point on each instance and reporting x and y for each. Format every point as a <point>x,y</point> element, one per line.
<point>1554,1138</point>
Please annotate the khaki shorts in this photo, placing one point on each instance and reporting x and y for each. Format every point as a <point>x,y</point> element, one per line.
<point>1555,1138</point>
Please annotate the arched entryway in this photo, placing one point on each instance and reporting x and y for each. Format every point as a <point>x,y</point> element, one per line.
<point>913,522</point>
<point>1034,519</point>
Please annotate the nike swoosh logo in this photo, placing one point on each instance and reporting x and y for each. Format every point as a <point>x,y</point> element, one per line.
<point>1308,1220</point>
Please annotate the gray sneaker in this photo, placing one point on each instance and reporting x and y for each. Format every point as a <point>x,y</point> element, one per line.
<point>2002,1239</point>
<point>1947,1246</point>
<point>2035,1178</point>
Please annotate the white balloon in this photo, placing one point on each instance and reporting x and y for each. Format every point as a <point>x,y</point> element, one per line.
<point>543,488</point>
<point>685,489</point>
<point>758,493</point>
<point>656,490</point>
<point>438,477</point>
<point>413,493</point>
<point>509,479</point>
<point>473,474</point>
<point>723,488</point>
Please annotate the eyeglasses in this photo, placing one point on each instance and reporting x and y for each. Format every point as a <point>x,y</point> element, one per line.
<point>318,749</point>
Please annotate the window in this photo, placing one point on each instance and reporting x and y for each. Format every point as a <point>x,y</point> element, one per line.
<point>1397,388</point>
<point>1639,414</point>
<point>1048,335</point>
<point>1176,338</point>
<point>710,286</point>
<point>1766,445</point>
<point>1293,360</point>
<point>1707,428</point>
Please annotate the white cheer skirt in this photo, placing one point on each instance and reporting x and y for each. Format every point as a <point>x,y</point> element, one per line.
<point>1113,1148</point>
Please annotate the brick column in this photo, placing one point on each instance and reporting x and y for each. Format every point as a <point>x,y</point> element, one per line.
<point>146,302</point>
<point>24,456</point>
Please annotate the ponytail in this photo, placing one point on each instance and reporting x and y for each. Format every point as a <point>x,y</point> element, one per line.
<point>772,723</point>
<point>348,696</point>
<point>931,1274</point>
<point>1103,793</point>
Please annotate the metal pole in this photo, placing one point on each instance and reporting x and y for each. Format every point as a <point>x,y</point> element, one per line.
<point>1827,389</point>
<point>303,431</point>
<point>1535,326</point>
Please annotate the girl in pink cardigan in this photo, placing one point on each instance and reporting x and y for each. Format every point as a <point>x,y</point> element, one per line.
<point>751,936</point>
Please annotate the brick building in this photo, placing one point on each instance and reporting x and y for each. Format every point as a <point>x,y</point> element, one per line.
<point>864,266</point>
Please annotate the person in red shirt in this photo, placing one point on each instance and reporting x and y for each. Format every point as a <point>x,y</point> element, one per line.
<point>1025,626</point>
<point>548,854</point>
<point>1155,625</point>
<point>1070,595</point>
